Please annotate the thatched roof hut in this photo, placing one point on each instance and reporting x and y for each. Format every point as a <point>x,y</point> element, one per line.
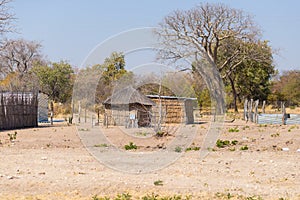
<point>128,107</point>
<point>128,95</point>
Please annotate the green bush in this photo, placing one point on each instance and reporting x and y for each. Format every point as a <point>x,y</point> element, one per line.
<point>244,128</point>
<point>130,146</point>
<point>234,142</point>
<point>160,133</point>
<point>243,148</point>
<point>192,149</point>
<point>232,130</point>
<point>12,136</point>
<point>158,183</point>
<point>178,149</point>
<point>124,196</point>
<point>226,143</point>
<point>222,143</point>
<point>100,198</point>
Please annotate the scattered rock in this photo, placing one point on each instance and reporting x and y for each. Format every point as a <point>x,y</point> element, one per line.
<point>161,146</point>
<point>288,142</point>
<point>12,177</point>
<point>285,149</point>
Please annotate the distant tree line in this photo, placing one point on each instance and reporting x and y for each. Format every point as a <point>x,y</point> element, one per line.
<point>214,33</point>
<point>286,87</point>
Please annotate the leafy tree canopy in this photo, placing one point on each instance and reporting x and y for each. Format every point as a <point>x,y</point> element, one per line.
<point>286,88</point>
<point>55,80</point>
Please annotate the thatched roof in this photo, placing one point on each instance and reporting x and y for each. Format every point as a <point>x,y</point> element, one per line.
<point>170,97</point>
<point>128,95</point>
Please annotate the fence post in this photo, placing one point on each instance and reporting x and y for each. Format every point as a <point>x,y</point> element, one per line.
<point>246,110</point>
<point>98,116</point>
<point>263,106</point>
<point>79,110</point>
<point>283,113</point>
<point>251,110</point>
<point>72,110</point>
<point>256,110</point>
<point>85,114</point>
<point>51,112</point>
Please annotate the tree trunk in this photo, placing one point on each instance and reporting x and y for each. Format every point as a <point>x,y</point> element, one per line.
<point>234,93</point>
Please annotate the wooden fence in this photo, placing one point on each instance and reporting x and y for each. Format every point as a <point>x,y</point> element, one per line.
<point>18,110</point>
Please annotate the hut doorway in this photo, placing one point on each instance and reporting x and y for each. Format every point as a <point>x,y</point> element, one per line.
<point>144,118</point>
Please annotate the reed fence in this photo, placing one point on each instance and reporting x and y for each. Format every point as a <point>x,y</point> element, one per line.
<point>18,110</point>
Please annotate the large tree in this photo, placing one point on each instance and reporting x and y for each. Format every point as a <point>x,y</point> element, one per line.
<point>96,83</point>
<point>248,75</point>
<point>113,72</point>
<point>19,56</point>
<point>205,33</point>
<point>56,81</point>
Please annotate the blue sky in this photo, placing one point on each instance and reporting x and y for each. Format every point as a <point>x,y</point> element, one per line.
<point>70,29</point>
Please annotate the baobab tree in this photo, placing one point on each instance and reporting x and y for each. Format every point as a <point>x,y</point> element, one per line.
<point>204,34</point>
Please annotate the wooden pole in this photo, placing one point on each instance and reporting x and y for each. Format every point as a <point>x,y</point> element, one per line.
<point>51,112</point>
<point>250,110</point>
<point>72,112</point>
<point>79,110</point>
<point>256,110</point>
<point>160,107</point>
<point>283,113</point>
<point>85,115</point>
<point>263,106</point>
<point>98,116</point>
<point>246,110</point>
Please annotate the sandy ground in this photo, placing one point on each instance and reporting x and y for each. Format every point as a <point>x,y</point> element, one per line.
<point>52,163</point>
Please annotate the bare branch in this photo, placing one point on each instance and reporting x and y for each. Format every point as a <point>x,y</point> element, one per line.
<point>19,56</point>
<point>6,17</point>
<point>204,29</point>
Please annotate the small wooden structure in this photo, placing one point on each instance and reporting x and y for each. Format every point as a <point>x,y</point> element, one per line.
<point>18,110</point>
<point>173,109</point>
<point>128,107</point>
